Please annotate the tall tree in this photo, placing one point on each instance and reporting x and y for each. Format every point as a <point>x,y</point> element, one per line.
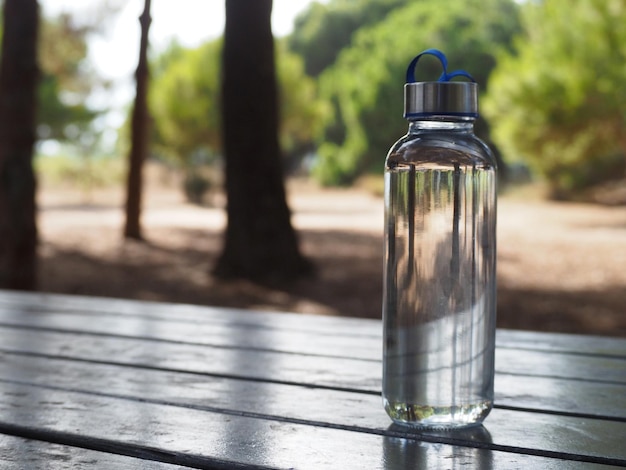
<point>260,243</point>
<point>184,104</point>
<point>18,90</point>
<point>139,134</point>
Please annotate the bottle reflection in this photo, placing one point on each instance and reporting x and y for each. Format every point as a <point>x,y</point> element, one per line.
<point>407,449</point>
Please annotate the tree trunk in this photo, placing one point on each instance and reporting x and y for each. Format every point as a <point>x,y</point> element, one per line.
<point>19,75</point>
<point>260,243</point>
<point>139,134</point>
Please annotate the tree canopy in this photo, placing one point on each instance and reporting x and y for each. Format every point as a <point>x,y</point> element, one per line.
<point>185,102</point>
<point>323,30</point>
<point>365,84</point>
<point>559,101</point>
<point>65,79</point>
<point>65,82</point>
<point>554,101</point>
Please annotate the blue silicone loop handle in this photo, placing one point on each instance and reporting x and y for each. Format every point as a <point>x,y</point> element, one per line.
<point>456,73</point>
<point>445,76</point>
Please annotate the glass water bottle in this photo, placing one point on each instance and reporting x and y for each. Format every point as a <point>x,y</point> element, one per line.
<point>439,304</point>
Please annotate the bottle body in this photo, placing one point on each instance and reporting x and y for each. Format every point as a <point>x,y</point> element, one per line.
<point>439,301</point>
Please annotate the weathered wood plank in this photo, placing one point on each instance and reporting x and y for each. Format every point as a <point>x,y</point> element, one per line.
<point>232,362</point>
<point>299,368</point>
<point>329,408</point>
<point>205,439</point>
<point>211,334</point>
<point>557,342</point>
<point>586,398</point>
<point>533,371</point>
<point>173,359</point>
<point>17,453</point>
<point>189,313</point>
<point>599,369</point>
<point>564,396</point>
<point>363,332</point>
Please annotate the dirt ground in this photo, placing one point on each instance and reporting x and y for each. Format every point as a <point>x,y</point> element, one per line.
<point>561,266</point>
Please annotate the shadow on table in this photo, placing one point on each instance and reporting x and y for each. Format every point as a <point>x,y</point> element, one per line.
<point>174,267</point>
<point>466,448</point>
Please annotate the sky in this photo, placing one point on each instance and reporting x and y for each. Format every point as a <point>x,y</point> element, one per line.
<point>114,53</point>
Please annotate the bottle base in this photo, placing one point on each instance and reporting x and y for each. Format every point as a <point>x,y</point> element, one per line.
<point>437,417</point>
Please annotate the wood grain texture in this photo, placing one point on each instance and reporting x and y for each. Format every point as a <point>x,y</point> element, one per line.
<point>220,388</point>
<point>211,439</point>
<point>17,453</point>
<point>273,398</point>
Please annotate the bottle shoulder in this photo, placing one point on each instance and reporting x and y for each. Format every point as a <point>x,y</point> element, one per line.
<point>441,147</point>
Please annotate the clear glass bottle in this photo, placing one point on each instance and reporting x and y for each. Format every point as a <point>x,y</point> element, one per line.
<point>439,303</point>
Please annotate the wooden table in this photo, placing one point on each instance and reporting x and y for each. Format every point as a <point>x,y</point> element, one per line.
<point>115,384</point>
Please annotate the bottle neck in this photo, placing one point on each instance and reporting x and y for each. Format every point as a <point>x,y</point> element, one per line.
<point>445,124</point>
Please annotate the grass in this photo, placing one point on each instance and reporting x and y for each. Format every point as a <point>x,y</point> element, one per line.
<point>374,184</point>
<point>78,172</point>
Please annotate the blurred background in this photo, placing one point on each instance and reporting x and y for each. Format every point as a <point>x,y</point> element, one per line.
<point>553,107</point>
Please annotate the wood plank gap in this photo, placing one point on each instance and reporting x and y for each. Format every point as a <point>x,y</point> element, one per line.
<point>564,352</point>
<point>173,341</point>
<point>569,414</point>
<point>397,431</point>
<point>171,318</point>
<point>191,372</point>
<point>366,391</point>
<point>561,377</point>
<point>286,383</point>
<point>453,438</point>
<point>122,448</point>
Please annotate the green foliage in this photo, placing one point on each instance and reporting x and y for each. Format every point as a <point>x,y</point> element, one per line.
<point>323,30</point>
<point>302,112</point>
<point>195,187</point>
<point>560,101</point>
<point>65,80</point>
<point>76,172</point>
<point>366,82</point>
<point>56,119</point>
<point>185,103</point>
